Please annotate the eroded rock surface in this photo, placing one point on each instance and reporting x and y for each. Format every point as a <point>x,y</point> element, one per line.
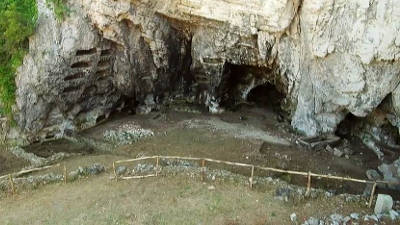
<point>328,57</point>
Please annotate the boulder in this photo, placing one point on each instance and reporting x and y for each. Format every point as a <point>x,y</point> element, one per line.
<point>384,204</point>
<point>373,175</point>
<point>120,170</point>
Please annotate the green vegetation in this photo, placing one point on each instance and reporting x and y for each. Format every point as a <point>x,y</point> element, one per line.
<point>59,7</point>
<point>17,22</point>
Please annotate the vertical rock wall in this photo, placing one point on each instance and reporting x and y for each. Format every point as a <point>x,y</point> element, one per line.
<point>329,57</point>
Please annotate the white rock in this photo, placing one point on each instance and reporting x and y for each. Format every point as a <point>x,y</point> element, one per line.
<point>337,152</point>
<point>293,217</point>
<point>393,214</point>
<point>355,216</point>
<point>384,204</point>
<point>211,187</point>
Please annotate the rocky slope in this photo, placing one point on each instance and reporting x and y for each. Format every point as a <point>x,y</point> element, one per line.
<point>329,58</point>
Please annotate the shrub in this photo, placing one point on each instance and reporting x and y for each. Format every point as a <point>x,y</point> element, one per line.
<point>59,7</point>
<point>17,22</point>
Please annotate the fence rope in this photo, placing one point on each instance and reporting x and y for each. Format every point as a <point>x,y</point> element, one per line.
<point>203,161</point>
<point>271,169</point>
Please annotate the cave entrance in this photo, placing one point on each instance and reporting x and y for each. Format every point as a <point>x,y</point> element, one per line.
<point>267,96</point>
<point>374,135</point>
<point>249,86</point>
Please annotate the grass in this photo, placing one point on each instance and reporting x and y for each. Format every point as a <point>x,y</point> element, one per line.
<point>162,200</point>
<point>174,199</point>
<point>17,22</point>
<point>59,7</point>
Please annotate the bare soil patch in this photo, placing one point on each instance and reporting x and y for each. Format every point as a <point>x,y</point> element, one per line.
<point>10,163</point>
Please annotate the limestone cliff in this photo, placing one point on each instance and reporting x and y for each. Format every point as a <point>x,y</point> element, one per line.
<point>328,57</point>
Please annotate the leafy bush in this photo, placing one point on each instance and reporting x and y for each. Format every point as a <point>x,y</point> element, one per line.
<point>17,22</point>
<point>59,7</point>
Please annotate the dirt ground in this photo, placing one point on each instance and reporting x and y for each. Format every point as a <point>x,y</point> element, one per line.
<point>165,200</point>
<point>233,136</point>
<point>241,136</point>
<point>48,149</point>
<point>10,163</point>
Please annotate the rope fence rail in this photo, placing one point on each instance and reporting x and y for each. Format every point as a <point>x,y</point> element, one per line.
<point>308,174</point>
<point>11,176</point>
<point>202,162</point>
<point>23,172</point>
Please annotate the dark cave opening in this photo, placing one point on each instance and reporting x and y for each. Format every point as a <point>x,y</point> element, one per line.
<point>266,95</point>
<point>350,122</point>
<point>373,132</point>
<point>251,86</point>
<point>377,123</point>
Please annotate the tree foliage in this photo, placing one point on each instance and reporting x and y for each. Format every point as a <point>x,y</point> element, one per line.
<point>17,22</point>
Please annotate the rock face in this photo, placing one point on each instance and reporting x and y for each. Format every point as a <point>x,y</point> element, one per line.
<point>328,57</point>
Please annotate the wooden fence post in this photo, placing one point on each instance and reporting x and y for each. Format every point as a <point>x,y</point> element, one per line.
<point>157,165</point>
<point>252,176</point>
<point>308,183</point>
<point>11,184</point>
<point>371,198</point>
<point>65,174</point>
<point>115,172</point>
<point>203,169</point>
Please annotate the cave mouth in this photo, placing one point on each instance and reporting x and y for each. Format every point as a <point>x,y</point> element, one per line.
<point>353,126</point>
<point>377,123</point>
<point>266,96</point>
<point>251,86</point>
<point>373,134</point>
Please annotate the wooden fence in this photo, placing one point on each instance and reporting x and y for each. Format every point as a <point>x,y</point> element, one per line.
<point>203,161</point>
<point>11,176</point>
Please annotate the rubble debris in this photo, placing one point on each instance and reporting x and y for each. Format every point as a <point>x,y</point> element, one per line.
<point>120,170</point>
<point>127,134</point>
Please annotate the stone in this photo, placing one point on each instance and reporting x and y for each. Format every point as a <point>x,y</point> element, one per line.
<point>329,148</point>
<point>346,219</point>
<point>293,217</point>
<point>211,187</point>
<point>283,193</point>
<point>355,216</point>
<point>127,133</point>
<point>73,175</point>
<point>95,169</point>
<point>393,214</point>
<point>390,174</point>
<point>120,170</point>
<point>348,151</point>
<point>336,217</point>
<point>384,204</point>
<point>371,217</point>
<point>312,221</point>
<point>337,152</point>
<point>373,175</point>
<point>33,159</point>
